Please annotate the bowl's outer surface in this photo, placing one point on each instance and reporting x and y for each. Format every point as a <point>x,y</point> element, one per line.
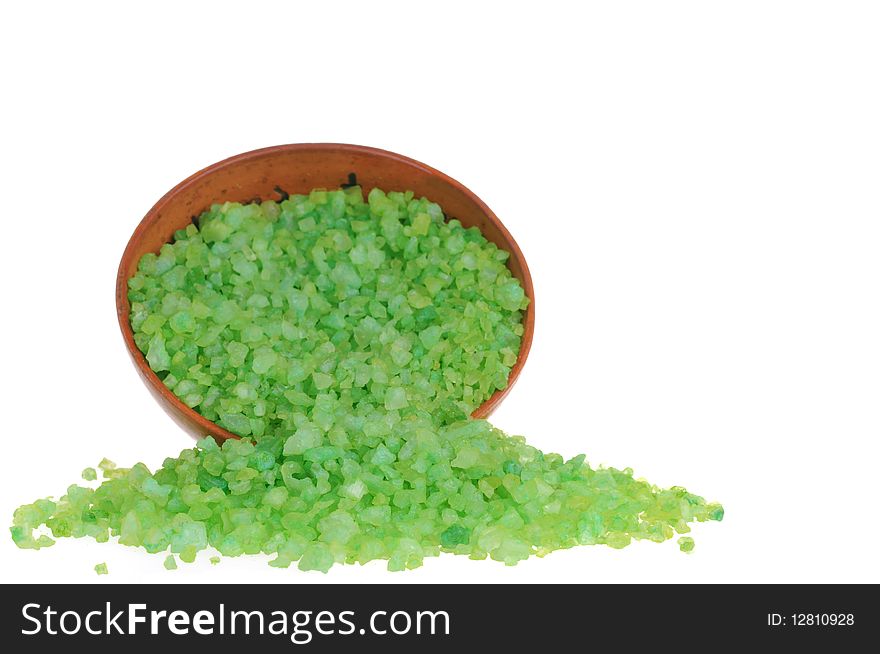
<point>267,174</point>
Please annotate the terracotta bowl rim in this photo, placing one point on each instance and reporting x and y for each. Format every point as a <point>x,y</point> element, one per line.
<point>210,427</point>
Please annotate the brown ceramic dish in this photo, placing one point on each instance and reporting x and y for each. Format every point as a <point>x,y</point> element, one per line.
<point>269,174</point>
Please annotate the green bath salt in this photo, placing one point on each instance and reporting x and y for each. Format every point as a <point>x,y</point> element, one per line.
<point>295,317</point>
<point>347,341</point>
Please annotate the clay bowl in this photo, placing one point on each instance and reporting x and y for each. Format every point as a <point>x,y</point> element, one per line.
<point>270,173</point>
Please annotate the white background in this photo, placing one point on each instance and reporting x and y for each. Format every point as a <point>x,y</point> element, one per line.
<point>694,184</point>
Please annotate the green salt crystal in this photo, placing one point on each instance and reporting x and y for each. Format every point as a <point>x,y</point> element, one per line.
<point>510,296</point>
<point>182,322</point>
<point>316,556</point>
<point>156,354</point>
<point>395,398</point>
<point>355,490</point>
<point>322,381</point>
<point>89,474</point>
<point>686,544</point>
<point>214,560</point>
<point>420,224</point>
<point>338,527</point>
<point>715,511</point>
<point>237,353</point>
<point>455,535</point>
<point>101,569</point>
<point>264,360</point>
<point>618,540</point>
<point>305,438</point>
<point>381,456</point>
<point>170,562</point>
<point>188,553</point>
